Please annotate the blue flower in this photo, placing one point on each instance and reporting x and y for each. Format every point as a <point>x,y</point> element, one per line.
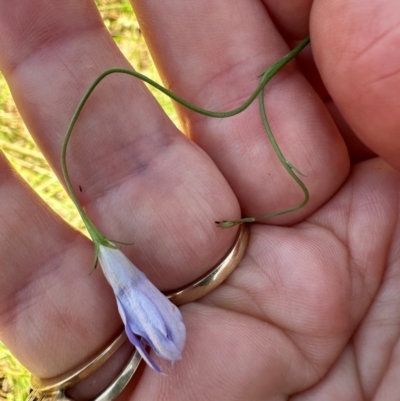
<point>145,311</point>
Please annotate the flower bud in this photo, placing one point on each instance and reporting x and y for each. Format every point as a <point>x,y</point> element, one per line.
<point>145,311</point>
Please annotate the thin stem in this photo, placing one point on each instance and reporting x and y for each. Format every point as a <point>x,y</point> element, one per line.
<point>285,163</point>
<point>266,77</point>
<point>288,166</point>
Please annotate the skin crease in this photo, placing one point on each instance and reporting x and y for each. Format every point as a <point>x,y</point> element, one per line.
<point>312,311</point>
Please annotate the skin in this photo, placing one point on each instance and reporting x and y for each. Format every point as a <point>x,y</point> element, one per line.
<point>312,311</point>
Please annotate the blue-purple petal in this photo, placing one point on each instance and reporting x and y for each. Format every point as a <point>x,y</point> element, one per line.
<point>145,311</point>
<point>142,350</point>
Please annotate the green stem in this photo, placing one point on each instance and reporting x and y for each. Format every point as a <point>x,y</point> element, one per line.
<point>285,163</point>
<point>266,77</point>
<point>97,237</point>
<point>288,166</point>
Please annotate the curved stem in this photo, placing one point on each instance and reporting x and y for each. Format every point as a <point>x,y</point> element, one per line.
<point>288,166</point>
<point>266,77</point>
<point>285,163</point>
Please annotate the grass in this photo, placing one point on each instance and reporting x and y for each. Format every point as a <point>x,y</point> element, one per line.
<point>27,160</point>
<point>14,378</point>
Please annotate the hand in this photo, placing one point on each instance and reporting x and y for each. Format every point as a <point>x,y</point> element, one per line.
<point>312,311</point>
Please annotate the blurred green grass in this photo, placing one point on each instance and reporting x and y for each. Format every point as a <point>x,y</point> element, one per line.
<point>27,160</point>
<point>14,379</point>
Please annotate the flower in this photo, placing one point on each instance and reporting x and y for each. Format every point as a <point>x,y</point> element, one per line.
<point>145,311</point>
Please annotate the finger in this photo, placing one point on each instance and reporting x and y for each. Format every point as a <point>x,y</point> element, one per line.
<point>204,57</point>
<point>285,316</point>
<point>49,304</point>
<point>142,181</point>
<point>290,17</point>
<point>359,64</point>
<point>358,151</point>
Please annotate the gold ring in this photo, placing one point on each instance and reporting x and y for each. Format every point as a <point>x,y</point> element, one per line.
<point>211,280</point>
<point>54,389</point>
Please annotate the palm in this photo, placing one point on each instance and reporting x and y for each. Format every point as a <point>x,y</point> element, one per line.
<point>305,305</point>
<point>310,302</point>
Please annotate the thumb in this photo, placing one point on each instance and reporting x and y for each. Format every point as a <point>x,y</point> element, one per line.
<point>356,44</point>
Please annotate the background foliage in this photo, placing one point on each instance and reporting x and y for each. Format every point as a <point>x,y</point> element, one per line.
<point>25,157</point>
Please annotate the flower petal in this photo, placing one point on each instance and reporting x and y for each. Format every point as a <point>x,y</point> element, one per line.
<point>142,350</point>
<point>145,311</point>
